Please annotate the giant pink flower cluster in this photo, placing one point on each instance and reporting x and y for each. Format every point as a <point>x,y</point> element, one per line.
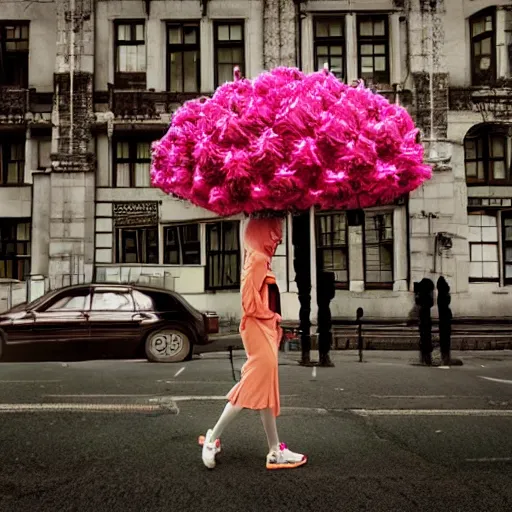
<point>287,141</point>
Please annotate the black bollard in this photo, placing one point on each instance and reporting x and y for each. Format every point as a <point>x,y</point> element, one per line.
<point>424,297</point>
<point>445,319</point>
<point>326,290</point>
<point>359,318</point>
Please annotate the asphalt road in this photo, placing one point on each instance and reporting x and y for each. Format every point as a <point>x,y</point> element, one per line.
<point>382,435</point>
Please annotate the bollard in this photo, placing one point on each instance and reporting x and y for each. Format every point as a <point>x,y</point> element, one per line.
<point>424,297</point>
<point>445,319</point>
<point>230,348</point>
<point>359,318</point>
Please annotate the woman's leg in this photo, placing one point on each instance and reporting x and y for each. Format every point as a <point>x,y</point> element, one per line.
<point>269,424</point>
<point>228,415</point>
<point>211,444</point>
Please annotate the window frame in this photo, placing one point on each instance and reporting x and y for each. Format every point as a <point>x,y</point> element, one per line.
<point>490,11</point>
<point>125,292</point>
<point>341,285</point>
<point>182,48</point>
<point>221,253</point>
<point>374,40</point>
<point>388,285</point>
<point>9,142</point>
<point>331,41</point>
<point>141,245</point>
<point>181,246</point>
<point>218,44</point>
<point>48,305</point>
<point>16,259</point>
<point>476,211</point>
<point>132,160</point>
<point>4,24</point>
<point>484,133</point>
<point>505,214</point>
<point>122,78</point>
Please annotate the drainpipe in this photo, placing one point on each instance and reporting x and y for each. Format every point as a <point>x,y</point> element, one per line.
<point>71,73</point>
<point>298,33</point>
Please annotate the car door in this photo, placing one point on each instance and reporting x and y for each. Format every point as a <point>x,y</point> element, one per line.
<point>63,319</point>
<point>112,316</point>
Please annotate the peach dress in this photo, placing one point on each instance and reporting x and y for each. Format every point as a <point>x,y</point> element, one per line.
<point>261,334</point>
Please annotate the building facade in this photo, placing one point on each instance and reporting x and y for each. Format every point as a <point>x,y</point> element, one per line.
<point>86,85</point>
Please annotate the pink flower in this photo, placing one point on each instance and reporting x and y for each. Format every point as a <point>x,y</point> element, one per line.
<point>287,141</point>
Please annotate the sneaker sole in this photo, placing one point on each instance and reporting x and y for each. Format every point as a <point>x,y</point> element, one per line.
<point>287,466</point>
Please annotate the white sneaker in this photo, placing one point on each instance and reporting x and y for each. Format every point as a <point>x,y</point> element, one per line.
<point>285,459</point>
<point>210,449</point>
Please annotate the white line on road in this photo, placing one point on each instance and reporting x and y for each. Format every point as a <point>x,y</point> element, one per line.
<point>99,396</point>
<point>432,412</point>
<point>27,381</point>
<point>503,381</point>
<point>491,459</point>
<point>4,408</point>
<point>180,371</point>
<point>424,396</point>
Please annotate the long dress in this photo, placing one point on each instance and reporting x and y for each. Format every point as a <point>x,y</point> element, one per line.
<point>261,334</point>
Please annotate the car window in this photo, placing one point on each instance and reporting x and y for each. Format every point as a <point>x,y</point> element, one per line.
<point>164,302</point>
<point>112,301</point>
<point>70,301</point>
<point>143,301</point>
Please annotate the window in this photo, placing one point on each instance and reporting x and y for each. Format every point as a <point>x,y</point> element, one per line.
<point>229,50</point>
<point>182,245</point>
<point>483,47</point>
<point>75,300</point>
<point>183,57</point>
<point>14,249</point>
<point>14,54</point>
<point>132,162</point>
<point>329,44</point>
<point>223,255</point>
<point>112,301</point>
<point>130,55</point>
<point>332,248</point>
<point>483,247</point>
<point>137,245</point>
<point>378,242</point>
<point>143,302</point>
<point>12,163</point>
<point>373,49</point>
<point>507,247</point>
<point>486,154</point>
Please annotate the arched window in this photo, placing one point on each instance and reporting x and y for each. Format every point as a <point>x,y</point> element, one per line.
<point>487,154</point>
<point>482,29</point>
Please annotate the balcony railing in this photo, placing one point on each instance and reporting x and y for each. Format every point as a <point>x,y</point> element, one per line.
<point>13,104</point>
<point>491,102</point>
<point>146,105</point>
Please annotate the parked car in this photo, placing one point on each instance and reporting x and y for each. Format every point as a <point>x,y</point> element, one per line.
<point>159,322</point>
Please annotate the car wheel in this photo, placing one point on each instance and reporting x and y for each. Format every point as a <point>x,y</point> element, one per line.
<point>170,345</point>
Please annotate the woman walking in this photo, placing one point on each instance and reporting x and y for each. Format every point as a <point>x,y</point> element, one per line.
<point>258,388</point>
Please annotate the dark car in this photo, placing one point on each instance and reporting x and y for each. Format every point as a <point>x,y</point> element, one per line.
<point>141,319</point>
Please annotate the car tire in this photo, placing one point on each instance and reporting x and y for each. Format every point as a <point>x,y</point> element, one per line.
<point>168,345</point>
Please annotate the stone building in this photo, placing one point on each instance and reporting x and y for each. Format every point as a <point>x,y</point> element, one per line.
<point>86,85</point>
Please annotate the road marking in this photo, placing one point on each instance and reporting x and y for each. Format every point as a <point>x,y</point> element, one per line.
<point>503,381</point>
<point>412,396</point>
<point>432,412</point>
<point>99,396</point>
<point>180,371</point>
<point>491,459</point>
<point>27,381</point>
<point>11,408</point>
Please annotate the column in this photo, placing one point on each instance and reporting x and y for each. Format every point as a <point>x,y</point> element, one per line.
<point>400,256</point>
<point>395,57</point>
<point>502,60</point>
<point>356,258</point>
<point>308,56</point>
<point>351,47</point>
<point>207,56</point>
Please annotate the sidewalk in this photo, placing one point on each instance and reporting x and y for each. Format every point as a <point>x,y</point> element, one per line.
<point>382,337</point>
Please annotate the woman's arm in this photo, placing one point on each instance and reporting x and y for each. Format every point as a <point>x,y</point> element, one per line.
<point>255,274</point>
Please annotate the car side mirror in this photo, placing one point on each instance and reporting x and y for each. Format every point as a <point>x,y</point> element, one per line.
<point>30,314</point>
